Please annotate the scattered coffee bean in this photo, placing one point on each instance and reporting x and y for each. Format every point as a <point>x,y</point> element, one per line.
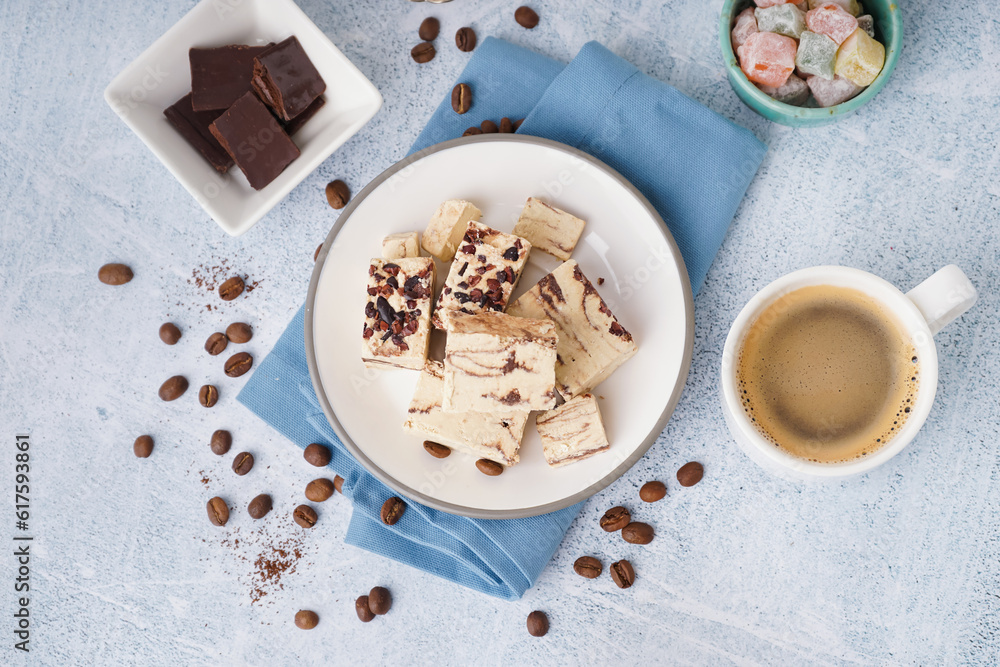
<point>239,332</point>
<point>338,483</point>
<point>489,127</point>
<point>114,274</point>
<point>465,39</point>
<point>231,289</point>
<point>379,601</point>
<point>491,468</point>
<point>588,567</point>
<point>143,446</point>
<point>517,124</point>
<point>218,511</point>
<point>216,344</point>
<point>616,518</point>
<point>173,388</point>
<point>506,126</point>
<point>208,396</point>
<point>472,131</point>
<point>653,491</point>
<point>169,333</point>
<point>423,52</point>
<point>305,619</point>
<point>690,473</point>
<point>260,506</point>
<point>436,449</point>
<point>319,490</point>
<point>317,455</point>
<point>337,194</point>
<point>238,364</point>
<point>526,17</point>
<point>316,254</point>
<point>538,624</point>
<point>638,533</point>
<point>221,441</point>
<point>429,29</point>
<point>461,98</point>
<point>392,510</point>
<point>363,610</point>
<point>305,516</point>
<point>622,574</point>
<point>243,463</point>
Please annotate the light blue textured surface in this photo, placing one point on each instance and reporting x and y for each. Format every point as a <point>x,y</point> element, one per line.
<point>898,567</point>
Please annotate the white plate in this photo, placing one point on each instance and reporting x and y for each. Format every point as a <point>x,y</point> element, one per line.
<point>162,75</point>
<point>625,242</point>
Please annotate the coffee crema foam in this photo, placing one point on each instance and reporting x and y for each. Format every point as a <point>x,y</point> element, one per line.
<point>827,375</point>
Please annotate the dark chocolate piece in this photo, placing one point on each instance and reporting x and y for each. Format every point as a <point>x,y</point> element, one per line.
<point>221,75</point>
<point>193,126</point>
<point>255,140</point>
<point>285,78</point>
<point>295,124</point>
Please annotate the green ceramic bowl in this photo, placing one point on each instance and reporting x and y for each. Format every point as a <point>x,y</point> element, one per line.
<point>888,30</point>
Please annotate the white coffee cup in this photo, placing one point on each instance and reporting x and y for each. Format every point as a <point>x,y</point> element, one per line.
<point>921,312</point>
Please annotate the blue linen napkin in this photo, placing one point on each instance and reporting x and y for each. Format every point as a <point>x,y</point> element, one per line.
<point>693,165</point>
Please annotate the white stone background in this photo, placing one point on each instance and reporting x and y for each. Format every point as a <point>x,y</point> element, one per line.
<point>896,567</point>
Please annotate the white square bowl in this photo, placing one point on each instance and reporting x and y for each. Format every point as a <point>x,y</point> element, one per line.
<point>162,75</point>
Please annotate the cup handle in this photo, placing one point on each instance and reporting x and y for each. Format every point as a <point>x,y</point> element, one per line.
<point>943,297</point>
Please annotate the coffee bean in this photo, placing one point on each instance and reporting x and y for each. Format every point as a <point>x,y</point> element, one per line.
<point>461,98</point>
<point>615,518</point>
<point>221,441</point>
<point>653,491</point>
<point>379,601</point>
<point>173,388</point>
<point>437,450</point>
<point>316,254</point>
<point>517,124</point>
<point>423,52</point>
<point>465,39</point>
<point>243,463</point>
<point>216,344</point>
<point>506,126</point>
<point>526,17</point>
<point>538,624</point>
<point>491,468</point>
<point>429,29</point>
<point>231,289</point>
<point>239,332</point>
<point>218,511</point>
<point>338,483</point>
<point>319,490</point>
<point>363,610</point>
<point>337,194</point>
<point>238,364</point>
<point>208,396</point>
<point>489,127</point>
<point>305,619</point>
<point>392,510</point>
<point>305,516</point>
<point>588,567</point>
<point>260,506</point>
<point>622,574</point>
<point>638,533</point>
<point>114,274</point>
<point>143,446</point>
<point>317,455</point>
<point>690,473</point>
<point>169,333</point>
<point>471,132</point>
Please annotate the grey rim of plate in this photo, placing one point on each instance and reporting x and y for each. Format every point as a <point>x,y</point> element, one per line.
<point>462,510</point>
